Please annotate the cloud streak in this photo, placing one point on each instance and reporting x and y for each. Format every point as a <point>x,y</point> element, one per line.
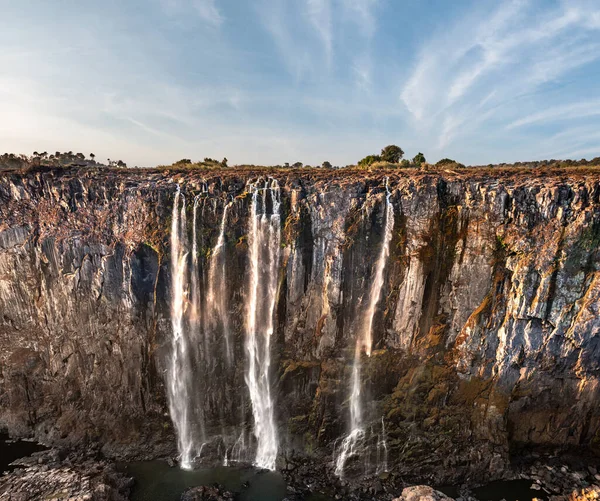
<point>206,10</point>
<point>558,113</point>
<point>480,68</point>
<point>319,13</point>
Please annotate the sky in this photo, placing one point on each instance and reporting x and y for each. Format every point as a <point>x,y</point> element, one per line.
<point>274,81</point>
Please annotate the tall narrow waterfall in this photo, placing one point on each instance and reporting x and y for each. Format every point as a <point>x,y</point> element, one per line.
<point>216,305</point>
<point>264,241</point>
<point>377,284</point>
<point>179,369</point>
<point>364,341</point>
<point>195,292</point>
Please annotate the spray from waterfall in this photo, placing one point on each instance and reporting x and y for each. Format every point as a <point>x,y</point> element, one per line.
<point>178,372</point>
<point>364,341</point>
<point>264,240</point>
<point>353,439</point>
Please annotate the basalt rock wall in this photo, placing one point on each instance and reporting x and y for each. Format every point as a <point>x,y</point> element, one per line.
<point>486,338</point>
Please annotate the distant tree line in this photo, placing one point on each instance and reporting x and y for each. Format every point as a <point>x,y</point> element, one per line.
<point>66,159</point>
<point>390,157</point>
<point>187,163</point>
<point>553,163</point>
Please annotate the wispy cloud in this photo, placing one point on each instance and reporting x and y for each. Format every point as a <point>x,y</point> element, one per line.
<point>362,67</point>
<point>296,26</point>
<point>483,63</point>
<point>319,13</point>
<point>205,9</point>
<point>557,113</point>
<point>363,14</point>
<point>277,21</point>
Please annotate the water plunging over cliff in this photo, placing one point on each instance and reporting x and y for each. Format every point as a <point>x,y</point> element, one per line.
<point>179,370</point>
<point>216,304</point>
<point>201,345</point>
<point>364,342</point>
<point>264,242</point>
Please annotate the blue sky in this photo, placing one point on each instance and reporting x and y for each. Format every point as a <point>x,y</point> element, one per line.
<point>273,81</point>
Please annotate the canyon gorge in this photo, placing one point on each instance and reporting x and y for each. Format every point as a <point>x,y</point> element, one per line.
<point>427,324</point>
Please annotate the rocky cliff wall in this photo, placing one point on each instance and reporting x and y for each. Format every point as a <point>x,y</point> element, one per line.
<point>487,338</point>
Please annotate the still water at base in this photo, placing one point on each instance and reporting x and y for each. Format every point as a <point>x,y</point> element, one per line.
<point>15,449</point>
<point>156,481</point>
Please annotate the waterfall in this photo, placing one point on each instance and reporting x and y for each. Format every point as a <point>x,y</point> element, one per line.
<point>179,370</point>
<point>377,284</point>
<point>195,299</point>
<point>364,342</point>
<point>382,450</point>
<point>351,441</point>
<point>264,242</point>
<point>216,305</point>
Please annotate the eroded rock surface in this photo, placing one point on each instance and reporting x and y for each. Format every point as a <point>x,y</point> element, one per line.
<point>487,338</point>
<point>422,493</point>
<point>207,493</point>
<point>54,476</point>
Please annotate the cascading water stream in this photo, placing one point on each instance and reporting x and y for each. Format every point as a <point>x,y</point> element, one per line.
<point>264,242</point>
<point>382,450</point>
<point>195,298</point>
<point>377,284</point>
<point>364,342</point>
<point>178,372</point>
<point>215,299</point>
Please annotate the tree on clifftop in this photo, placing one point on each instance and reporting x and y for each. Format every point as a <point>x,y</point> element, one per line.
<point>391,154</point>
<point>418,159</point>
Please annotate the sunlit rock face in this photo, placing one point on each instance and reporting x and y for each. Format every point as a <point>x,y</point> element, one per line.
<point>486,336</point>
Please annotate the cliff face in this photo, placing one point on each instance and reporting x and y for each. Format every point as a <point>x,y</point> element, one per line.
<point>486,338</point>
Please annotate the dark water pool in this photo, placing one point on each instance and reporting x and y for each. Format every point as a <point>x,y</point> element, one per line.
<point>11,450</point>
<point>156,481</point>
<point>510,490</point>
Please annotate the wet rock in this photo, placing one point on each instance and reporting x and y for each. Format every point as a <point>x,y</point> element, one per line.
<point>43,477</point>
<point>422,493</point>
<point>207,493</point>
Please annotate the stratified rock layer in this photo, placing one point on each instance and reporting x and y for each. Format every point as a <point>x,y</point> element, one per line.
<point>487,337</point>
<point>60,476</point>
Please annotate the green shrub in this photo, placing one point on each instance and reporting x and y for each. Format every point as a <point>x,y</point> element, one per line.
<point>391,154</point>
<point>368,161</point>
